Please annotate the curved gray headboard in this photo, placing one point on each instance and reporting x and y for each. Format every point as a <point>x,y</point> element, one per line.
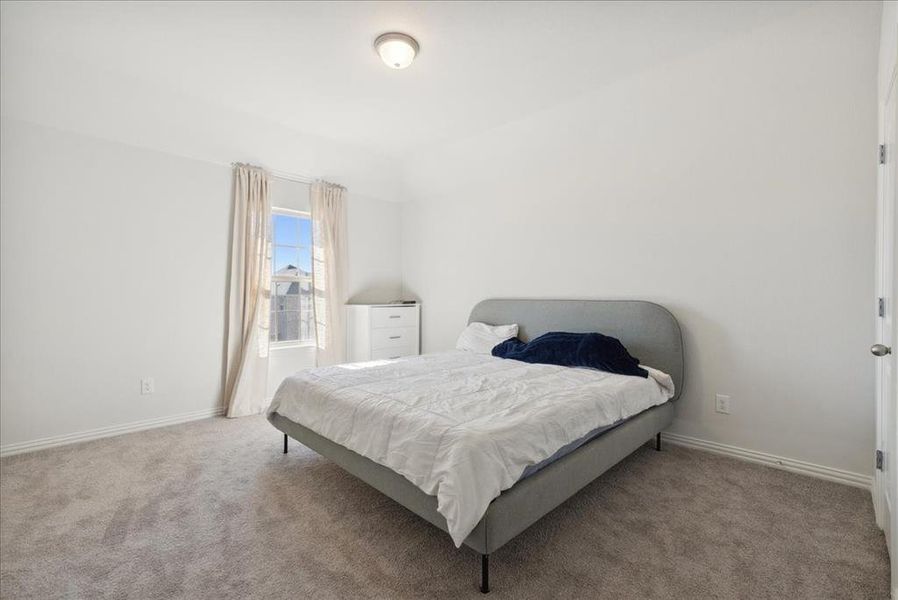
<point>648,330</point>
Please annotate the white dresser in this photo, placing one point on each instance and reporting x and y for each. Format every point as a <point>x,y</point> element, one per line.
<point>379,331</point>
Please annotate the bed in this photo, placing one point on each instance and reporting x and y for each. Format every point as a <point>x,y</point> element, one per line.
<point>487,494</point>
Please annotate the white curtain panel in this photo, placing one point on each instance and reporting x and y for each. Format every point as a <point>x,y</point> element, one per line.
<point>249,297</point>
<point>329,270</point>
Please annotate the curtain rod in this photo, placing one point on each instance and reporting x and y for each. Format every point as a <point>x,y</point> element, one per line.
<point>284,175</point>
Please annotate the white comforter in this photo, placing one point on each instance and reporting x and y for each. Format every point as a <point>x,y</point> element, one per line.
<point>462,426</point>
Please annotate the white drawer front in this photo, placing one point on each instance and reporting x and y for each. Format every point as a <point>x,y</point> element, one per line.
<point>394,337</point>
<point>398,316</point>
<point>391,353</point>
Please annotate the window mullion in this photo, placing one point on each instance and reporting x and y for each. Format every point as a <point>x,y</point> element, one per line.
<point>273,316</point>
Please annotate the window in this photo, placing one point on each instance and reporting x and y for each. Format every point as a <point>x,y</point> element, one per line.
<point>291,278</point>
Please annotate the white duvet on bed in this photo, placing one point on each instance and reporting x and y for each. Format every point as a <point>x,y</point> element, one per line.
<point>462,426</point>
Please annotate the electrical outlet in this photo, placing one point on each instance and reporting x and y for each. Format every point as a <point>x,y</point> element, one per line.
<point>147,385</point>
<point>722,404</point>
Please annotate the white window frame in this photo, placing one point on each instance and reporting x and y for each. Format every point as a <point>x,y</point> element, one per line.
<point>283,278</point>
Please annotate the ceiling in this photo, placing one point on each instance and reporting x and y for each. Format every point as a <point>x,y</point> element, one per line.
<point>310,66</point>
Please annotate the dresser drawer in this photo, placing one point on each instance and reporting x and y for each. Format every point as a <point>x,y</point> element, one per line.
<point>391,353</point>
<point>393,337</point>
<point>394,316</point>
<point>382,331</point>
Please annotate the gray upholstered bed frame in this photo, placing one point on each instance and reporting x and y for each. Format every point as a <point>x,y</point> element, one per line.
<point>649,331</point>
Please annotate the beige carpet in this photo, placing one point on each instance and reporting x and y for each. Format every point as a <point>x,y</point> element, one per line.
<point>212,509</point>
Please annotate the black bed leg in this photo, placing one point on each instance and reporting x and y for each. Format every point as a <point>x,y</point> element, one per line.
<point>485,573</point>
<point>285,443</point>
<point>657,442</point>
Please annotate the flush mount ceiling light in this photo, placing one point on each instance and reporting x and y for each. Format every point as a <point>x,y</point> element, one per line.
<point>397,50</point>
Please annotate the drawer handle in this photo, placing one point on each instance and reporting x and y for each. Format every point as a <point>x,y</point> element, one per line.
<point>394,357</point>
<point>395,337</point>
<point>395,316</point>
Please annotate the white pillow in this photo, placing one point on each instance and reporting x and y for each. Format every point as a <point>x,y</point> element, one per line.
<point>482,338</point>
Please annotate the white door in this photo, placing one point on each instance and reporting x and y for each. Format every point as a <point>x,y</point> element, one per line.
<point>886,282</point>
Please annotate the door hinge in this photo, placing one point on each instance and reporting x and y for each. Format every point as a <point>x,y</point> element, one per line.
<point>879,460</point>
<point>882,307</point>
<point>882,154</point>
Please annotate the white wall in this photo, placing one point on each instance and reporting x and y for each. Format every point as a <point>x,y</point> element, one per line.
<point>736,186</point>
<point>112,267</point>
<point>156,151</point>
<point>48,86</point>
<point>375,249</point>
<point>113,261</point>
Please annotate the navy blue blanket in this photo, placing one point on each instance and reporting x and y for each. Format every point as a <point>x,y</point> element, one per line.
<point>592,350</point>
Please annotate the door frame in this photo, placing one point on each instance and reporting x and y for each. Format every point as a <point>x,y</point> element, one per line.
<point>886,210</point>
<point>879,501</point>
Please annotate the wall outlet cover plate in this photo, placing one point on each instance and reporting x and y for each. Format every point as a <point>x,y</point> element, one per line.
<point>722,404</point>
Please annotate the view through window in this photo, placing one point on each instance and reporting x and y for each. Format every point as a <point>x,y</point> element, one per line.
<point>291,277</point>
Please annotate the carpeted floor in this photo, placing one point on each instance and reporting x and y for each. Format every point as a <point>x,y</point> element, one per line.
<point>212,509</point>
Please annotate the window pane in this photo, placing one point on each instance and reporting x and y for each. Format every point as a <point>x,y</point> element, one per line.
<point>286,230</point>
<point>305,232</point>
<point>305,262</point>
<point>287,307</point>
<point>286,260</point>
<point>288,326</point>
<point>291,301</point>
<point>286,295</point>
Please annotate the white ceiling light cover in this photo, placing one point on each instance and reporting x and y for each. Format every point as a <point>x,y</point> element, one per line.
<point>397,50</point>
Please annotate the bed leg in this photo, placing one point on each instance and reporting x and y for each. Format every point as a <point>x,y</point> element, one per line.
<point>485,573</point>
<point>657,442</point>
<point>285,443</point>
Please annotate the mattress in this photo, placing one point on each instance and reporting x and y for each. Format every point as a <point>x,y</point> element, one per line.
<point>462,426</point>
<point>568,448</point>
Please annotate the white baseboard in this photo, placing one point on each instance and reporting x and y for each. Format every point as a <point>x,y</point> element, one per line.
<point>772,460</point>
<point>103,432</point>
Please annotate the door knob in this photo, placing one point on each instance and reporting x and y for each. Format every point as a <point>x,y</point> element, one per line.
<point>880,350</point>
